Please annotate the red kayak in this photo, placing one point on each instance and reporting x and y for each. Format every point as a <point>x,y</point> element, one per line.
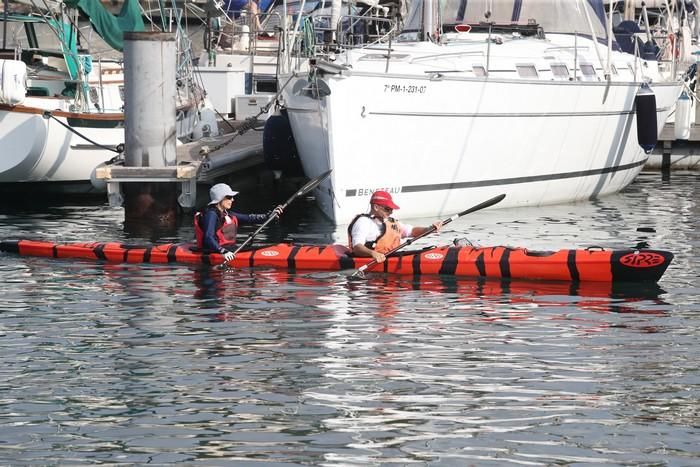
<point>597,265</point>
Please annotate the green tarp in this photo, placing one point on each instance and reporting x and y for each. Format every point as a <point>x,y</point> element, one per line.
<point>111,28</point>
<point>69,45</point>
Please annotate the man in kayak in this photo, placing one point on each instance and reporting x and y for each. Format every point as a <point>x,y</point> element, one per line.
<point>216,227</point>
<point>376,233</point>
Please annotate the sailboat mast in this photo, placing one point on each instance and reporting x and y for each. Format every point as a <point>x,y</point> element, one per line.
<point>336,5</point>
<point>610,35</point>
<point>428,20</point>
<point>5,10</point>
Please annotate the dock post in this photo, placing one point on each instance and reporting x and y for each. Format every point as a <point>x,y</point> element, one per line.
<point>666,158</point>
<point>150,127</point>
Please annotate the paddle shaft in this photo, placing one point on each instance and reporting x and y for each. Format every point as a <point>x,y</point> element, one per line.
<point>310,185</point>
<point>431,229</point>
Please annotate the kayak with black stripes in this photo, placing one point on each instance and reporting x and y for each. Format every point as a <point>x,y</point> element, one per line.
<point>591,264</point>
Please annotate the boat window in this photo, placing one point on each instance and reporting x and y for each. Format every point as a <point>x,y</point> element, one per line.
<point>587,71</point>
<point>479,70</point>
<point>526,71</point>
<point>560,71</point>
<point>613,68</point>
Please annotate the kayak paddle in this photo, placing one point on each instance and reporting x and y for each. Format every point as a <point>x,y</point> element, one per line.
<point>360,272</point>
<point>310,185</point>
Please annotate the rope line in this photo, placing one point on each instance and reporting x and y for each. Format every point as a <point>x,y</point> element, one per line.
<point>250,122</point>
<point>119,149</point>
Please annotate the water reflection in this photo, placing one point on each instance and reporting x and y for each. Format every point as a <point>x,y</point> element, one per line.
<point>214,287</point>
<point>139,364</point>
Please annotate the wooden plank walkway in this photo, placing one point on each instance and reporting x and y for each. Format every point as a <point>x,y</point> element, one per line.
<point>668,133</point>
<point>201,161</point>
<point>221,155</point>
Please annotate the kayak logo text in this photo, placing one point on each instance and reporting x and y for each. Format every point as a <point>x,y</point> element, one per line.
<point>434,256</point>
<point>270,253</point>
<point>642,260</point>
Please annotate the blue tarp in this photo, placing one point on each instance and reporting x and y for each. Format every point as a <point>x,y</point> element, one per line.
<point>235,6</point>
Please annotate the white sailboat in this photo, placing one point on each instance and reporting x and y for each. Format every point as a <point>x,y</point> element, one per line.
<point>61,112</point>
<point>473,99</point>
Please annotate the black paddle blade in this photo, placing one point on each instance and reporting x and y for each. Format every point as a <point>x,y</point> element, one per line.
<point>357,275</point>
<point>310,185</point>
<point>485,204</point>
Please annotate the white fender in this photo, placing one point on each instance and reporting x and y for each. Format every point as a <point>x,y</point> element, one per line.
<point>681,126</point>
<point>13,81</point>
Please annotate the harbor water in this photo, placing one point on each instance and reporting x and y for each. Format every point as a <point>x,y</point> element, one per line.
<point>155,364</point>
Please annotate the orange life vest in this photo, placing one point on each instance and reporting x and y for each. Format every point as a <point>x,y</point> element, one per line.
<point>226,228</point>
<point>389,237</point>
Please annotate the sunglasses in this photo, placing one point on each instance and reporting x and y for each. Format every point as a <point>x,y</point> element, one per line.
<point>385,209</point>
<point>229,197</point>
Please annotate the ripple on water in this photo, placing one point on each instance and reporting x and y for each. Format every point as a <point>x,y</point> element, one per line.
<point>164,363</point>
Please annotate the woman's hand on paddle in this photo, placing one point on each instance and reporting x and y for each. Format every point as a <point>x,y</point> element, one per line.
<point>228,255</point>
<point>377,256</point>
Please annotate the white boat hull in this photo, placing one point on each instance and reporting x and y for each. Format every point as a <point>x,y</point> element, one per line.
<point>44,150</point>
<point>38,149</point>
<point>443,145</point>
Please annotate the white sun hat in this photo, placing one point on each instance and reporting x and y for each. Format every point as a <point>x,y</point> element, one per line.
<point>220,191</point>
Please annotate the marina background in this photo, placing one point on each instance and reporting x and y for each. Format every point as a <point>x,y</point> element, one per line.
<point>135,364</point>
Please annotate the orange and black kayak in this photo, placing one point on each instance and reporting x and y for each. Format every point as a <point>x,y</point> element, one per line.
<point>598,265</point>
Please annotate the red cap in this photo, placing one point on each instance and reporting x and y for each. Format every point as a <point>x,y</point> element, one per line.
<point>383,198</point>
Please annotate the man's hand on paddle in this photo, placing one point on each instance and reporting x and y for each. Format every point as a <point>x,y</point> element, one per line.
<point>421,230</point>
<point>277,211</point>
<point>377,256</point>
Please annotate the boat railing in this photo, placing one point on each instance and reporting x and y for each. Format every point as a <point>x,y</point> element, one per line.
<point>249,33</point>
<point>315,37</point>
<point>364,30</point>
<point>351,31</point>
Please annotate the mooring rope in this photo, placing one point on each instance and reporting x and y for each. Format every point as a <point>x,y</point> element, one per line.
<point>118,149</point>
<point>250,122</point>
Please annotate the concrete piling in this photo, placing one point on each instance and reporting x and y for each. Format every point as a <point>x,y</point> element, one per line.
<point>150,112</point>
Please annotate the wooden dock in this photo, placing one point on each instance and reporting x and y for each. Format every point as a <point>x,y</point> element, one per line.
<point>671,153</point>
<point>218,156</point>
<point>201,161</point>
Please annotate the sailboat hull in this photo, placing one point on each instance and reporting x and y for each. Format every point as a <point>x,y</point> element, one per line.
<point>443,144</point>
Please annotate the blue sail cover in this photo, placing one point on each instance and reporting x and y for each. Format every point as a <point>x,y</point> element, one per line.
<point>599,9</point>
<point>236,6</point>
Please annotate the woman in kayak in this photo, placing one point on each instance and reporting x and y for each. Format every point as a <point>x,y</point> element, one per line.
<point>376,233</point>
<point>216,227</point>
